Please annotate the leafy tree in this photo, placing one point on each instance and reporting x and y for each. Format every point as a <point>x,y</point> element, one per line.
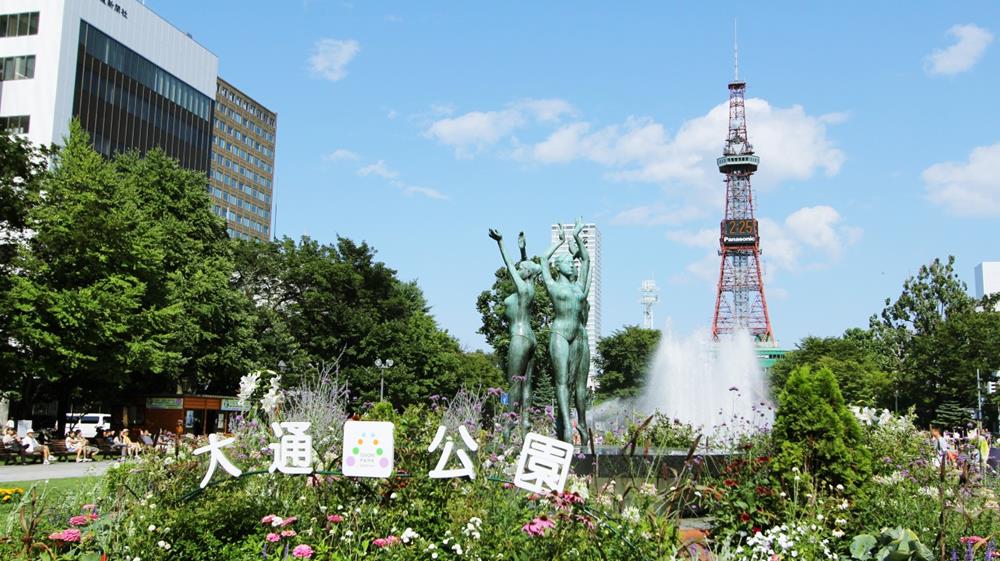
<point>815,432</point>
<point>935,338</point>
<point>926,301</point>
<point>623,359</point>
<point>315,302</point>
<point>853,362</point>
<point>22,170</point>
<point>125,282</point>
<point>496,329</point>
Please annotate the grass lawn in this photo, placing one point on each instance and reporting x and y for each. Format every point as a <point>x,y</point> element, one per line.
<point>51,487</point>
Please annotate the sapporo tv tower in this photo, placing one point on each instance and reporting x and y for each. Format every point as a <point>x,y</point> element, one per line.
<point>740,302</point>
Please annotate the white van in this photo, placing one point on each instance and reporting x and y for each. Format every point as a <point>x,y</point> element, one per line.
<point>87,423</point>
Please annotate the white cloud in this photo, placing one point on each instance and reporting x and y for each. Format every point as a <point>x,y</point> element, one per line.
<point>970,188</point>
<point>656,214</point>
<point>809,238</point>
<point>477,130</point>
<point>391,114</point>
<point>380,169</point>
<point>790,143</point>
<point>330,57</point>
<point>422,191</point>
<point>970,44</point>
<point>340,154</point>
<point>706,237</point>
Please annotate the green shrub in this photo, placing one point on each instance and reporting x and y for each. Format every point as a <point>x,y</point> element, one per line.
<point>815,432</point>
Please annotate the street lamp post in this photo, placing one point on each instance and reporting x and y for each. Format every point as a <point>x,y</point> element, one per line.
<point>382,366</point>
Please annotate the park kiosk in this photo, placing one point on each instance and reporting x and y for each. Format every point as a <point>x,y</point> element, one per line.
<point>197,414</point>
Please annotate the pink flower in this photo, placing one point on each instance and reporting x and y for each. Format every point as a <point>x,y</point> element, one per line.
<point>386,541</point>
<point>302,551</point>
<point>88,507</point>
<point>538,526</point>
<point>81,520</point>
<point>272,537</point>
<point>68,536</point>
<point>289,521</point>
<point>288,533</point>
<point>267,519</point>
<point>335,518</point>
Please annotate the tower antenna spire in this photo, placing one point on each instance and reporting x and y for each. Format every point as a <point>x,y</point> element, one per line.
<point>736,54</point>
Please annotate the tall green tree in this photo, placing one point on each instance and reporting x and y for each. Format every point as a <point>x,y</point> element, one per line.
<point>496,329</point>
<point>623,360</point>
<point>337,303</point>
<point>853,361</point>
<point>125,282</point>
<point>23,168</point>
<point>936,338</point>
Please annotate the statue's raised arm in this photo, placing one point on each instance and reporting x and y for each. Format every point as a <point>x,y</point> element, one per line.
<point>583,255</point>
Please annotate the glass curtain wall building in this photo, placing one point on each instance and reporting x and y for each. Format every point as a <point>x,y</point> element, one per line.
<point>126,102</point>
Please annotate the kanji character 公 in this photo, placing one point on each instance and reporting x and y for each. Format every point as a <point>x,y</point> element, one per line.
<point>466,470</point>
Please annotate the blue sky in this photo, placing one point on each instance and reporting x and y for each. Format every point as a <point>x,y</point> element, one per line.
<point>416,126</point>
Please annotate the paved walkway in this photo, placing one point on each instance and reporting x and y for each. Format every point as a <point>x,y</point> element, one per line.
<point>60,470</point>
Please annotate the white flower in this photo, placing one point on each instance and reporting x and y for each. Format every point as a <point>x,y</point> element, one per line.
<point>795,470</point>
<point>457,548</point>
<point>631,514</point>
<point>434,555</point>
<point>348,533</point>
<point>161,543</point>
<point>167,547</point>
<point>798,478</point>
<point>840,487</point>
<point>248,385</point>
<point>276,522</point>
<point>151,528</point>
<point>393,496</point>
<point>408,535</point>
<point>838,533</point>
<point>820,517</point>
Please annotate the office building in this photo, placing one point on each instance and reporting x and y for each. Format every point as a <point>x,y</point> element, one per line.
<point>591,237</point>
<point>133,80</point>
<point>987,278</point>
<point>136,82</point>
<point>242,176</point>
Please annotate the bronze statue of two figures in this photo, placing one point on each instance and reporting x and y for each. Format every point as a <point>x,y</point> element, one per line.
<point>569,347</point>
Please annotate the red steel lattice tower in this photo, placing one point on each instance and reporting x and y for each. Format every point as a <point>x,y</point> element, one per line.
<point>740,302</point>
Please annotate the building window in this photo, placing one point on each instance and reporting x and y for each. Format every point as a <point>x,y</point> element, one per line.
<point>17,25</point>
<point>17,68</point>
<point>17,124</point>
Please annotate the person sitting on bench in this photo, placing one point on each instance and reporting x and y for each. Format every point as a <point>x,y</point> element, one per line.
<point>31,446</point>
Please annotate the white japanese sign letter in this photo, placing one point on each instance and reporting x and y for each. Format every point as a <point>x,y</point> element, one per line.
<point>293,453</point>
<point>543,465</point>
<point>439,471</point>
<point>215,447</point>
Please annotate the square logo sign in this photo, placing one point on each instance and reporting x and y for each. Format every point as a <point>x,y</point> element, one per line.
<point>368,449</point>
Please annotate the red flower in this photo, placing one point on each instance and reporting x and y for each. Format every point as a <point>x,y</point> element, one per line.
<point>730,483</point>
<point>744,517</point>
<point>763,459</point>
<point>763,491</point>
<point>756,530</point>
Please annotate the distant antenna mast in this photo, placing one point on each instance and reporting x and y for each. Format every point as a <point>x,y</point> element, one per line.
<point>736,54</point>
<point>650,297</point>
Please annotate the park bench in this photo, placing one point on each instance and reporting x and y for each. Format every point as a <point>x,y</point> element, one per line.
<point>57,450</point>
<point>13,456</point>
<point>9,455</point>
